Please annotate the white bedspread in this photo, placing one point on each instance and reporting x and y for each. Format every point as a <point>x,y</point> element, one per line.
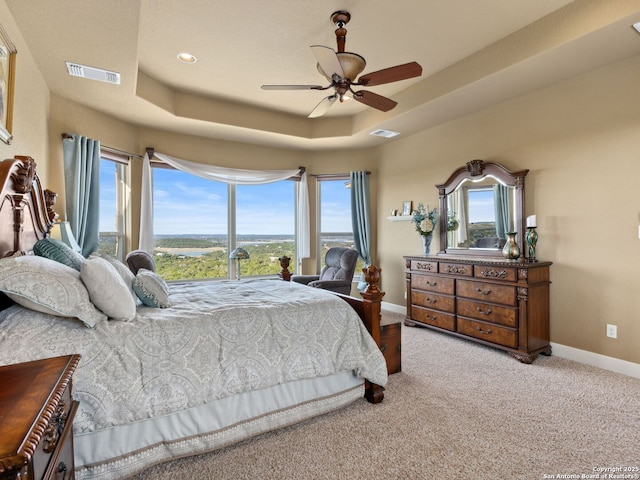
<point>218,338</point>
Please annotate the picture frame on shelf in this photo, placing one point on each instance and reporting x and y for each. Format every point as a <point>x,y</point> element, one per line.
<point>7,85</point>
<point>406,208</point>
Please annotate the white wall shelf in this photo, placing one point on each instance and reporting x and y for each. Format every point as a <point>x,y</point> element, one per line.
<point>399,218</point>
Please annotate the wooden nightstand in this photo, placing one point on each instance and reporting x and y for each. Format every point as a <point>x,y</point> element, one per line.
<point>36,419</point>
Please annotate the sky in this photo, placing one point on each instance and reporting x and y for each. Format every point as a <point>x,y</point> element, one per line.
<point>186,204</point>
<point>483,206</point>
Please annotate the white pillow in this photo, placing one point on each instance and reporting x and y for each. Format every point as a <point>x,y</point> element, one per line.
<point>47,286</point>
<point>107,290</point>
<point>126,274</point>
<point>151,289</point>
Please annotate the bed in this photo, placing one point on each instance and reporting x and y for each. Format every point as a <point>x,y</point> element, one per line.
<point>227,360</point>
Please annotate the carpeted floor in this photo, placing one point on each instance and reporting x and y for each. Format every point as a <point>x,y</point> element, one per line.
<point>457,411</point>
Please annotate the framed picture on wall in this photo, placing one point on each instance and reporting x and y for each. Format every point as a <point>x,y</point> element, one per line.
<point>7,85</point>
<point>406,208</point>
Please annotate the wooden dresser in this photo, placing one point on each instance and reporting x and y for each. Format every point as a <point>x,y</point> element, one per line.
<point>36,419</point>
<point>494,302</point>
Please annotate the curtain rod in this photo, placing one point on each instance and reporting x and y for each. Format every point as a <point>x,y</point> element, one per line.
<point>337,176</point>
<point>109,149</point>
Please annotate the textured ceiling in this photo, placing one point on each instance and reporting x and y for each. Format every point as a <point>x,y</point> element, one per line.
<point>473,52</point>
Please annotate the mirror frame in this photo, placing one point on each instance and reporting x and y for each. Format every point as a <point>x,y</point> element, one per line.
<point>477,170</point>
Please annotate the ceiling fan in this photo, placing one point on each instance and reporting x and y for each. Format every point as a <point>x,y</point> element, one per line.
<point>341,69</point>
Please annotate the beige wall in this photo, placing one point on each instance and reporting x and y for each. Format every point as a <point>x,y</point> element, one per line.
<point>31,111</point>
<point>580,139</point>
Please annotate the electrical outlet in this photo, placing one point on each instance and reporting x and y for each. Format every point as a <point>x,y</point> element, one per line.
<point>612,331</point>
<point>405,295</point>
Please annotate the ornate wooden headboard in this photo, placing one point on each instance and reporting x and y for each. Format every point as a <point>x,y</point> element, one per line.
<point>26,210</point>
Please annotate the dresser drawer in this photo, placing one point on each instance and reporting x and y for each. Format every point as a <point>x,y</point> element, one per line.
<point>433,283</point>
<point>61,465</point>
<point>433,300</point>
<point>433,317</point>
<point>487,292</point>
<point>488,312</point>
<point>50,446</point>
<point>424,266</point>
<point>499,273</point>
<point>489,332</point>
<point>456,269</point>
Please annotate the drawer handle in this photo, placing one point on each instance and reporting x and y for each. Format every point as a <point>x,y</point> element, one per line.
<point>483,332</point>
<point>431,317</point>
<point>483,292</point>
<point>62,468</point>
<point>431,284</point>
<point>484,312</point>
<point>431,300</point>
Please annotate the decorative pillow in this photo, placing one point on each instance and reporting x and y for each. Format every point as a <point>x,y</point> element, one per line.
<point>138,259</point>
<point>124,272</point>
<point>151,289</point>
<point>47,286</point>
<point>107,290</point>
<point>60,252</point>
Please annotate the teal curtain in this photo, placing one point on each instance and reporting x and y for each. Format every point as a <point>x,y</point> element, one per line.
<point>361,219</point>
<point>502,204</point>
<point>82,190</point>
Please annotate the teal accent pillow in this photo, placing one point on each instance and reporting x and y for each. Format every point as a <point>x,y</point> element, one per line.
<point>60,252</point>
<point>151,289</point>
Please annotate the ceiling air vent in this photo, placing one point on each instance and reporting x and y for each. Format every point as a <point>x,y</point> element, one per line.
<point>384,133</point>
<point>77,70</point>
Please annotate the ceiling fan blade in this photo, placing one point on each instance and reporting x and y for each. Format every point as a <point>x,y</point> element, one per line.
<point>293,87</point>
<point>328,61</point>
<point>323,106</point>
<point>374,100</point>
<point>391,74</point>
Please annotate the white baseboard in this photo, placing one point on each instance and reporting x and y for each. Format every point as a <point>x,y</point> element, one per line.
<point>583,356</point>
<point>392,307</point>
<point>596,360</point>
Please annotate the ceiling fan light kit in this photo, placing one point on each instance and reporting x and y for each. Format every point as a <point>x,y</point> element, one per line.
<point>342,68</point>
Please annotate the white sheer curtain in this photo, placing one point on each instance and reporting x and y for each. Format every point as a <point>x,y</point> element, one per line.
<point>146,207</point>
<point>227,175</point>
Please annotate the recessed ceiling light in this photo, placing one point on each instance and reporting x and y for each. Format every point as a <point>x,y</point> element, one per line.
<point>187,58</point>
<point>636,26</point>
<point>384,133</point>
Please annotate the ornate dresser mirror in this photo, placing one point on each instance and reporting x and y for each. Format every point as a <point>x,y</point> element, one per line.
<point>479,204</point>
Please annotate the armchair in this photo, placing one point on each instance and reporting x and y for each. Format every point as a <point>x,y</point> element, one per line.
<point>337,274</point>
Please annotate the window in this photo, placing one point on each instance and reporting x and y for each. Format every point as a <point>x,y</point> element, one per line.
<point>265,225</point>
<point>197,222</point>
<point>482,217</point>
<point>113,202</point>
<point>334,219</point>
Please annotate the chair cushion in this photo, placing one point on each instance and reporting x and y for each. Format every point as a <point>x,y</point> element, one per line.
<point>340,264</point>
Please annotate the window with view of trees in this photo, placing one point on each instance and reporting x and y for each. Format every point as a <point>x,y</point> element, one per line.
<point>334,219</point>
<point>197,222</point>
<point>113,199</point>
